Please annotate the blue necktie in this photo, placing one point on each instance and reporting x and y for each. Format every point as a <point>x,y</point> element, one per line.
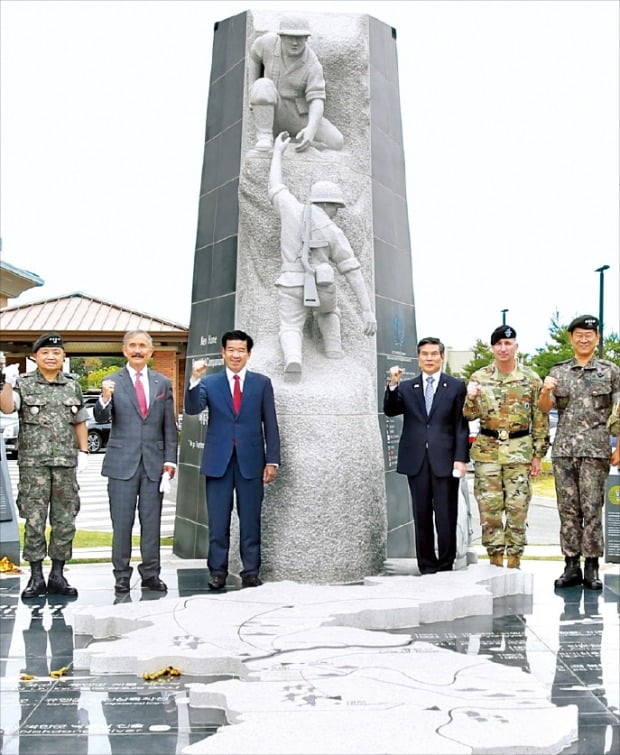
<point>428,394</point>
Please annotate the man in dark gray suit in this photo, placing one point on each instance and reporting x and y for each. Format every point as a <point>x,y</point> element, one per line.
<point>142,448</point>
<point>433,451</point>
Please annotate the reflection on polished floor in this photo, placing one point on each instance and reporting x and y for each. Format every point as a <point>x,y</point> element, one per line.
<point>567,641</point>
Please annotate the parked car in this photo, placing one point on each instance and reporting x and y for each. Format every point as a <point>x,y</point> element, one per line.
<point>90,397</point>
<point>9,424</point>
<point>98,433</point>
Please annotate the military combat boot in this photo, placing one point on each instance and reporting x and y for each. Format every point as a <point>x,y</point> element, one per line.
<point>57,584</point>
<point>36,584</point>
<point>572,573</point>
<point>514,562</point>
<point>496,559</point>
<point>590,575</point>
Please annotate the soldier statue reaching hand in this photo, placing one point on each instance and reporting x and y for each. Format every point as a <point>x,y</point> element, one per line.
<point>307,280</point>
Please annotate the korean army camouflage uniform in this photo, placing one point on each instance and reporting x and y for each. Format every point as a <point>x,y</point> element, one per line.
<point>47,458</point>
<point>508,403</point>
<point>584,398</point>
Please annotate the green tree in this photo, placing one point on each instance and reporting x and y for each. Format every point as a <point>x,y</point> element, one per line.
<point>482,356</point>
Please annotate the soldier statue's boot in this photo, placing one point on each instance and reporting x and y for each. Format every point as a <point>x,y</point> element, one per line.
<point>514,562</point>
<point>496,559</point>
<point>263,100</point>
<point>572,575</point>
<point>591,579</point>
<point>36,584</point>
<point>290,342</point>
<point>57,583</point>
<point>263,121</point>
<point>329,325</point>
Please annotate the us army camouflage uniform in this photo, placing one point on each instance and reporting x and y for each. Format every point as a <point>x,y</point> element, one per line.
<point>584,398</point>
<point>47,457</point>
<point>508,403</point>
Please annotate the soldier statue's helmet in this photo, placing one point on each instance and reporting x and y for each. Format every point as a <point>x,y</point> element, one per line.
<point>326,191</point>
<point>504,331</point>
<point>294,26</point>
<point>585,322</point>
<point>51,340</point>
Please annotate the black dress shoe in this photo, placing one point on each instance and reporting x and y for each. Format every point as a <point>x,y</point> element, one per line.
<point>154,583</point>
<point>217,582</point>
<point>122,584</point>
<point>251,580</point>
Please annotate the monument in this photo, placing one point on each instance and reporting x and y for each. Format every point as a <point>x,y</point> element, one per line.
<point>303,242</point>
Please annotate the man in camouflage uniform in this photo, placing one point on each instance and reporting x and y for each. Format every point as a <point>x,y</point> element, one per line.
<point>52,427</point>
<point>586,392</point>
<point>513,438</point>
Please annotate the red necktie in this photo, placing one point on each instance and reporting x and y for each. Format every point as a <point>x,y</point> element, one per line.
<point>141,395</point>
<point>237,394</point>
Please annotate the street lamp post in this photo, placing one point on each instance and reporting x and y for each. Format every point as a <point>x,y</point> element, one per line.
<point>504,316</point>
<point>601,295</point>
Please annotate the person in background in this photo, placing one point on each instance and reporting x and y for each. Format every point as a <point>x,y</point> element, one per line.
<point>52,446</point>
<point>508,450</point>
<point>141,456</point>
<point>241,453</point>
<point>433,451</point>
<point>586,392</point>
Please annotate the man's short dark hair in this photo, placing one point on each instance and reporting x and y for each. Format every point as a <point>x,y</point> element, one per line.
<point>237,335</point>
<point>434,341</point>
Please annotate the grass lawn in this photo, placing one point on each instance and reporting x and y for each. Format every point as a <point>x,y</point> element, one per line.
<point>89,539</point>
<point>544,485</point>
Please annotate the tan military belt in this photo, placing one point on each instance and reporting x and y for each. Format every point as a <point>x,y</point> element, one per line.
<point>504,434</point>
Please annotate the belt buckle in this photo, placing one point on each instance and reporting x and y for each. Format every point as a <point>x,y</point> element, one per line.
<point>502,434</point>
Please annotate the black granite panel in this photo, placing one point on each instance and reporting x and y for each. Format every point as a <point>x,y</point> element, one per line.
<point>393,275</point>
<point>213,126</point>
<point>396,332</point>
<point>231,101</point>
<point>206,220</point>
<point>391,430</point>
<point>222,316</point>
<point>198,328</point>
<point>398,491</point>
<point>228,44</point>
<point>210,318</point>
<point>401,542</point>
<point>209,179</point>
<point>391,223</point>
<point>227,212</point>
<point>382,48</point>
<point>203,263</point>
<point>388,161</point>
<point>229,151</point>
<point>193,581</point>
<point>384,362</point>
<point>223,277</point>
<point>186,539</point>
<point>383,214</point>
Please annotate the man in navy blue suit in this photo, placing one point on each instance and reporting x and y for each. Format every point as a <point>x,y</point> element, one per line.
<point>433,451</point>
<point>241,453</point>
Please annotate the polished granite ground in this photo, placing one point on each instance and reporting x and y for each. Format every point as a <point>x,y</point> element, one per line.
<point>567,643</point>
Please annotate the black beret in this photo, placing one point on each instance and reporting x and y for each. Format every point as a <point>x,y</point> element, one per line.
<point>586,322</point>
<point>504,331</point>
<point>54,340</point>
